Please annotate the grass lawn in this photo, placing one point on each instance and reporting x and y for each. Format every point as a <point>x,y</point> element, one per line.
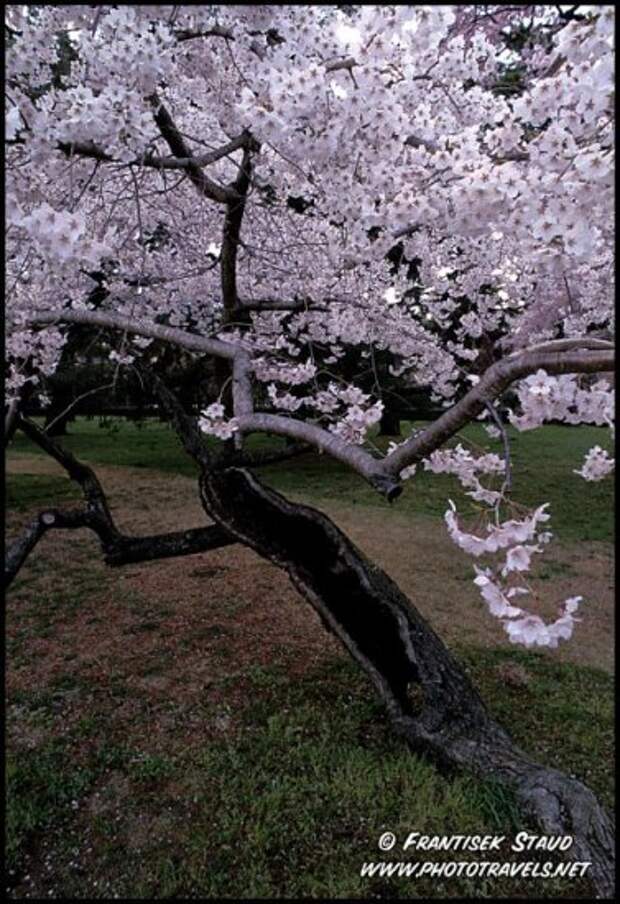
<point>543,462</point>
<point>187,729</point>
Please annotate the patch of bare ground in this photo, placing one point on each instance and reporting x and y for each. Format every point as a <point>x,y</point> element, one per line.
<point>155,659</point>
<point>175,629</point>
<point>416,553</point>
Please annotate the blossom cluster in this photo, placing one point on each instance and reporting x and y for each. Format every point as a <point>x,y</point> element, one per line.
<point>522,626</point>
<point>213,422</point>
<point>464,465</point>
<point>544,398</point>
<point>60,236</point>
<point>353,427</point>
<point>597,464</point>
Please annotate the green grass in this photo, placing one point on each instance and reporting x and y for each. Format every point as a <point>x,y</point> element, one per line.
<point>290,799</point>
<point>40,786</point>
<point>543,463</point>
<point>26,491</point>
<point>293,799</point>
<point>315,775</point>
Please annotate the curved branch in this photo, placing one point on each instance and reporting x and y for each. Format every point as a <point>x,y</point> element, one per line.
<point>119,549</point>
<point>494,381</point>
<point>368,467</point>
<point>96,502</point>
<point>139,328</point>
<point>372,469</point>
<point>383,475</point>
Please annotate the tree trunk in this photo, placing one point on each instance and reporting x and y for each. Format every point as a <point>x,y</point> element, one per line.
<point>401,653</point>
<point>389,425</point>
<point>59,424</point>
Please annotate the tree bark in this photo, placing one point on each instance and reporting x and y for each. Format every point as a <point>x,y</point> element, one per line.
<point>406,661</point>
<point>58,424</point>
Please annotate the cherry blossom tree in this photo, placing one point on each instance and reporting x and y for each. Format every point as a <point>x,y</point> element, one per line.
<point>238,178</point>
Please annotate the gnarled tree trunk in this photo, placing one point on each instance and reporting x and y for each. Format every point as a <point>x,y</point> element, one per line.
<point>391,641</point>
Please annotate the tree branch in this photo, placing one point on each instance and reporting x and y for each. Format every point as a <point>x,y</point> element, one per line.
<point>138,327</point>
<point>184,161</point>
<point>493,382</point>
<point>10,416</point>
<point>232,230</point>
<point>382,475</point>
<point>371,469</point>
<point>279,304</point>
<point>217,31</point>
<point>118,548</point>
<point>178,146</point>
<point>123,550</point>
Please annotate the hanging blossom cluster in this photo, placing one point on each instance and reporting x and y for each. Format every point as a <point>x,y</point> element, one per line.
<point>497,586</point>
<point>213,422</point>
<point>542,398</point>
<point>466,467</point>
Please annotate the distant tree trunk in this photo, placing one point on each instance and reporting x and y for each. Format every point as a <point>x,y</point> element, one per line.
<point>428,696</point>
<point>389,425</point>
<point>58,420</point>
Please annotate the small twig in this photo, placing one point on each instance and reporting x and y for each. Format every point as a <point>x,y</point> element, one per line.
<point>507,484</point>
<point>74,403</point>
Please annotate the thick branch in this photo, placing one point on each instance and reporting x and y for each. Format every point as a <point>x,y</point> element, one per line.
<point>232,231</point>
<point>96,502</point>
<point>216,31</point>
<point>18,551</point>
<point>119,549</point>
<point>560,345</point>
<point>279,304</point>
<point>10,419</point>
<point>368,467</point>
<point>122,550</point>
<point>180,149</point>
<point>185,426</point>
<point>493,382</point>
<point>166,546</point>
<point>138,327</point>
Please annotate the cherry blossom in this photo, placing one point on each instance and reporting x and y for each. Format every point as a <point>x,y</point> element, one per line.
<point>367,135</point>
<point>597,465</point>
<point>213,422</point>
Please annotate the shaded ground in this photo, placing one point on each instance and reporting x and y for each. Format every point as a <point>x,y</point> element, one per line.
<point>162,716</point>
<point>417,553</point>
